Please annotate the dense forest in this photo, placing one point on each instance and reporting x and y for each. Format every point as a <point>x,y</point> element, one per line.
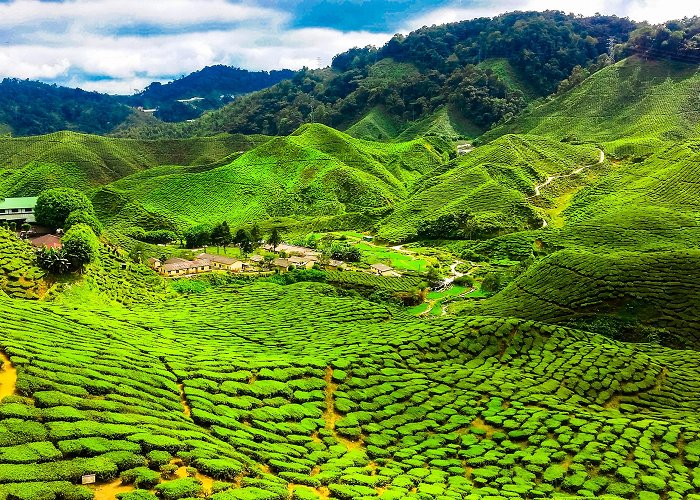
<point>413,76</point>
<point>33,108</point>
<point>211,88</point>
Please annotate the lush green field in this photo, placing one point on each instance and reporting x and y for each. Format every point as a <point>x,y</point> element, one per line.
<point>453,408</point>
<point>67,159</point>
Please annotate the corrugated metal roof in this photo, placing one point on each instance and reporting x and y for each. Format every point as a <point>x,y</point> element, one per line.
<point>10,203</point>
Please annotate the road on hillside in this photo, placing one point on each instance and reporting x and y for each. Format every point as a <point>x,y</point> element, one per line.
<point>552,178</point>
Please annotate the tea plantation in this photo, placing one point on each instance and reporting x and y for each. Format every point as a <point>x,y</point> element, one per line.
<point>294,392</point>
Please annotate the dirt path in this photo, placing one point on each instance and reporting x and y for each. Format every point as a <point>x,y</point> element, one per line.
<point>552,178</point>
<point>8,377</point>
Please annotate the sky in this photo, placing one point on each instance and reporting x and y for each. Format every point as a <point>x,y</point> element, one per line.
<point>120,46</point>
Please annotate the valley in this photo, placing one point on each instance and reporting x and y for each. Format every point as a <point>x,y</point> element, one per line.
<point>426,271</point>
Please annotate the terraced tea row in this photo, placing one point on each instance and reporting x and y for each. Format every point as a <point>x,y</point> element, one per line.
<point>329,397</point>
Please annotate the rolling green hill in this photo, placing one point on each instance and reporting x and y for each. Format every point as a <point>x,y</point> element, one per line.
<point>316,172</point>
<point>486,189</point>
<point>30,165</point>
<point>631,108</point>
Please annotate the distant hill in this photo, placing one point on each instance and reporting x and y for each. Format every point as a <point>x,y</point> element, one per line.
<point>316,174</point>
<point>29,165</point>
<point>209,88</point>
<point>483,70</point>
<point>632,107</point>
<point>34,108</point>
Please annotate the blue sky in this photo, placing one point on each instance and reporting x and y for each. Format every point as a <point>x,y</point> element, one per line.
<point>119,46</point>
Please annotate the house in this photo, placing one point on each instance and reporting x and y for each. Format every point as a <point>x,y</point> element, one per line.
<point>47,240</point>
<point>368,238</point>
<point>294,250</point>
<point>180,267</point>
<point>17,209</point>
<point>302,262</point>
<point>154,263</point>
<point>222,262</point>
<point>257,259</point>
<point>281,264</point>
<point>383,270</point>
<point>334,265</point>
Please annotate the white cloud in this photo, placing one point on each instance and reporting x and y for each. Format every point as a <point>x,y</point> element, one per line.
<point>654,11</point>
<point>84,41</point>
<point>74,41</point>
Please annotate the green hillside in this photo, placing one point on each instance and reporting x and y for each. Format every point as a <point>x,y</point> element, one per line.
<point>315,172</point>
<point>30,165</point>
<point>631,108</point>
<point>635,296</point>
<point>487,188</point>
<point>273,407</point>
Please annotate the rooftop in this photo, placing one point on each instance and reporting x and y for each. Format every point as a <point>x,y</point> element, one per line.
<point>185,264</point>
<point>221,259</point>
<point>10,203</point>
<point>47,240</point>
<point>382,268</point>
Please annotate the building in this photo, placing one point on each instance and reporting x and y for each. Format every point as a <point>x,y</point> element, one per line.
<point>367,238</point>
<point>18,210</point>
<point>47,240</point>
<point>383,270</point>
<point>181,267</point>
<point>335,265</point>
<point>281,264</point>
<point>221,262</point>
<point>294,250</point>
<point>302,262</point>
<point>153,263</point>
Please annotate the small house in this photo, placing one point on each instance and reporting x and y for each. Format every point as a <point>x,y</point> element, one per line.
<point>182,267</point>
<point>221,262</point>
<point>153,263</point>
<point>302,262</point>
<point>383,270</point>
<point>47,240</point>
<point>17,209</point>
<point>281,264</point>
<point>334,265</point>
<point>367,238</point>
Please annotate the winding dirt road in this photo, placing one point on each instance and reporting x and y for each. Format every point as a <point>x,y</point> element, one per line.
<point>552,178</point>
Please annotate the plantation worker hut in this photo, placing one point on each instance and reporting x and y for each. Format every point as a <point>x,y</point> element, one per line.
<point>334,265</point>
<point>48,241</point>
<point>153,263</point>
<point>281,264</point>
<point>258,259</point>
<point>383,270</point>
<point>18,210</point>
<point>182,267</point>
<point>222,262</point>
<point>302,262</point>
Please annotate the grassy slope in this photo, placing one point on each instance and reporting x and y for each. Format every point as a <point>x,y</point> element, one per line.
<point>512,77</point>
<point>449,407</point>
<point>315,172</point>
<point>492,182</point>
<point>631,108</point>
<point>31,164</point>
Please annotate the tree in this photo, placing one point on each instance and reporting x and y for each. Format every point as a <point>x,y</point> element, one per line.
<point>198,236</point>
<point>242,239</point>
<point>83,217</point>
<point>221,235</point>
<point>55,205</point>
<point>53,260</point>
<point>433,276</point>
<point>275,239</point>
<point>81,245</point>
<point>255,235</point>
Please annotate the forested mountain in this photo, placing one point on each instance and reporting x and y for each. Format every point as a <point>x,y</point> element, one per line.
<point>209,88</point>
<point>475,68</point>
<point>33,108</point>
